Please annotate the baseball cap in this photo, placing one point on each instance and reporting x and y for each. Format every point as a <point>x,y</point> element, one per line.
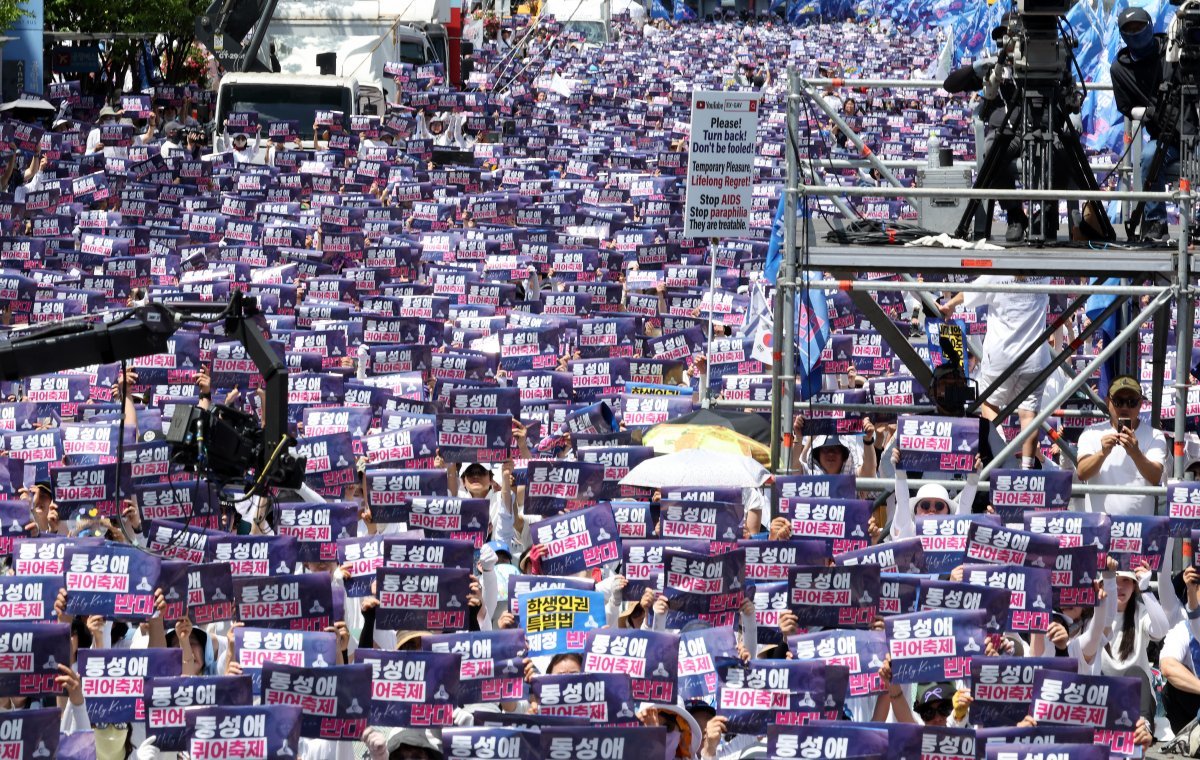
<point>45,485</point>
<point>933,491</point>
<point>499,546</point>
<point>1125,383</point>
<point>475,468</point>
<point>935,692</point>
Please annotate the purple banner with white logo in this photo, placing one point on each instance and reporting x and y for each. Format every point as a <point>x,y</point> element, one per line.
<point>704,588</point>
<point>787,488</point>
<point>935,645</point>
<point>255,731</point>
<point>211,595</point>
<point>422,599</point>
<point>840,523</point>
<point>257,646</point>
<point>1073,577</point>
<point>455,518</point>
<point>28,598</point>
<point>168,700</point>
<point>334,701</point>
<point>578,541</point>
<point>1109,704</point>
<point>427,553</point>
<point>113,680</point>
<point>1015,492</point>
<point>759,693</point>
<point>701,521</point>
<point>1002,687</point>
<point>492,667</point>
<point>110,580</point>
<point>834,596</point>
<point>478,743</point>
<point>903,556</point>
<point>600,697</point>
<point>301,602</point>
<point>1000,545</point>
<point>770,560</point>
<point>953,595</point>
<point>360,558</point>
<point>554,486</point>
<point>33,734</point>
<point>938,444</point>
<point>862,652</point>
<point>317,528</point>
<point>700,653</point>
<point>827,740</point>
<point>1031,600</point>
<point>649,658</point>
<point>944,538</point>
<point>1138,539</point>
<point>30,654</point>
<point>412,689</point>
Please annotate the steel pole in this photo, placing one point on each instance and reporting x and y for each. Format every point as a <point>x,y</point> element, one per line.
<point>1183,326</point>
<point>1111,348</point>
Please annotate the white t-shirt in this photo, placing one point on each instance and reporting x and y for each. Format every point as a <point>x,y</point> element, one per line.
<point>1119,470</point>
<point>1177,645</point>
<point>1014,321</point>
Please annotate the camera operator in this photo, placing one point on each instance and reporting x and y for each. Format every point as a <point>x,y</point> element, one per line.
<point>997,93</point>
<point>1137,74</point>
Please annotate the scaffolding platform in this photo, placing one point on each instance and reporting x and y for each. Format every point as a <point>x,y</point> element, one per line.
<point>1053,261</point>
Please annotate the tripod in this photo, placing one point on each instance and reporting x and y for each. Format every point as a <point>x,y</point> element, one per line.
<point>1173,101</point>
<point>1052,157</point>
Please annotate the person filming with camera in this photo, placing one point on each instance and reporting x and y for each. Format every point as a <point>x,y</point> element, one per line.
<point>1137,77</point>
<point>1122,451</point>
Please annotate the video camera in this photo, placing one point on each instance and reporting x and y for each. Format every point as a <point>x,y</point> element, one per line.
<point>1041,57</point>
<point>228,446</point>
<point>1183,47</point>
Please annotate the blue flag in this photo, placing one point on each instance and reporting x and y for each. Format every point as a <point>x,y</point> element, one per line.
<point>657,10</point>
<point>684,12</point>
<point>775,246</point>
<point>812,333</point>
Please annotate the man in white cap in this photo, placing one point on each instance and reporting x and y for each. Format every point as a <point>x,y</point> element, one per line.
<point>1125,450</point>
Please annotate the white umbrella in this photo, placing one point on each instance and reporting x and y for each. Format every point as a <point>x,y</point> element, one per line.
<point>697,468</point>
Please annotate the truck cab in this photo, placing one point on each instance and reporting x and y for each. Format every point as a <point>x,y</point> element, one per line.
<point>283,97</point>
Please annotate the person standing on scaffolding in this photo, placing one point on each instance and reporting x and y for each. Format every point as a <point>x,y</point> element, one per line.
<point>1014,321</point>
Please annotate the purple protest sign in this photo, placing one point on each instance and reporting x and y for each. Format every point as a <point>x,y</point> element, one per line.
<point>1138,539</point>
<point>952,595</point>
<point>30,654</point>
<point>257,646</point>
<point>787,488</point>
<point>25,598</point>
<point>454,518</point>
<point>168,701</point>
<point>759,693</point>
<point>487,743</point>
<point>934,646</point>
<point>113,680</point>
<point>835,421</point>
<point>360,558</point>
<point>474,437</point>
<point>422,599</point>
<point>412,447</point>
<point>389,491</point>
<point>256,556</point>
<point>318,527</point>
<point>81,489</point>
<point>108,580</point>
<point>607,743</point>
<point>492,667</point>
<point>700,653</point>
<point>1031,595</point>
<point>903,556</point>
<point>600,697</point>
<point>1002,687</point>
<point>710,589</point>
<point>399,551</point>
<point>1075,529</point>
<point>554,486</point>
<point>177,500</point>
<point>329,462</point>
<point>834,596</point>
<point>1073,576</point>
<point>210,593</point>
<point>827,740</point>
<point>1041,750</point>
<point>862,652</point>
<point>770,602</point>
<point>1109,704</point>
<point>1015,492</point>
<point>295,602</point>
<point>1000,545</point>
<point>1183,507</point>
<point>32,733</point>
<point>255,731</point>
<point>642,562</point>
<point>634,519</point>
<point>578,541</point>
<point>938,444</point>
<point>649,658</point>
<point>558,620</point>
<point>770,560</point>
<point>412,689</point>
<point>944,538</point>
<point>840,523</point>
<point>333,700</point>
<point>701,521</point>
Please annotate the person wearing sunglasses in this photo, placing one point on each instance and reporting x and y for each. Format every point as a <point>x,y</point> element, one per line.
<point>931,499</point>
<point>1125,450</point>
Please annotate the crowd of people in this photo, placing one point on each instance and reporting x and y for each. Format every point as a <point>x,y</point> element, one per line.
<point>488,309</point>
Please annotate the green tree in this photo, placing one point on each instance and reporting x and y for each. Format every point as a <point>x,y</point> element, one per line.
<point>11,11</point>
<point>168,25</point>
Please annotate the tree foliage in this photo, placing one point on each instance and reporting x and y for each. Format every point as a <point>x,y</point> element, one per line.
<point>168,25</point>
<point>11,11</point>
